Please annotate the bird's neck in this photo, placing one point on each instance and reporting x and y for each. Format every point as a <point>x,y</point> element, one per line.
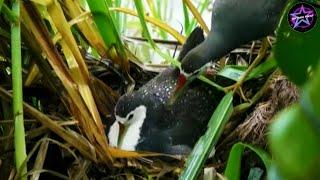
<point>214,47</point>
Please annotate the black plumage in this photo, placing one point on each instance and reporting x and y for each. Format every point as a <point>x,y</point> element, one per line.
<point>171,129</point>
<point>233,23</point>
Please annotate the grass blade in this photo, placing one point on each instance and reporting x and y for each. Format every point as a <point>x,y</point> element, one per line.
<point>197,16</point>
<point>146,33</point>
<point>89,31</point>
<point>9,14</point>
<point>139,7</point>
<point>156,14</point>
<point>186,19</point>
<point>207,142</point>
<point>118,16</point>
<point>233,170</point>
<point>105,23</point>
<point>155,22</point>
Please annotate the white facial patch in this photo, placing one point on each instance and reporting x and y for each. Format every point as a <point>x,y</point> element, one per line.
<point>113,134</point>
<point>133,123</point>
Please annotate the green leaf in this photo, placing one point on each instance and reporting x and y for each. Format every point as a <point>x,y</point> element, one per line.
<point>294,144</point>
<point>296,51</point>
<point>157,14</point>
<point>232,72</point>
<point>206,143</point>
<point>310,101</point>
<point>118,16</point>
<point>235,72</point>
<point>106,26</point>
<point>201,7</point>
<point>17,100</point>
<point>186,17</point>
<point>208,81</point>
<point>269,65</point>
<point>1,3</point>
<point>8,13</point>
<point>141,14</point>
<point>233,168</point>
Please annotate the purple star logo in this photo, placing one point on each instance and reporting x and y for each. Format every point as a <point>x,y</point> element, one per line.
<point>302,17</point>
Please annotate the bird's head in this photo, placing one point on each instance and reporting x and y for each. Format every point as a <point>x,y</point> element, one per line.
<point>137,114</point>
<point>130,116</point>
<point>129,109</point>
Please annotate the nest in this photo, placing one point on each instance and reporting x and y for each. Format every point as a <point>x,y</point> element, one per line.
<point>282,93</point>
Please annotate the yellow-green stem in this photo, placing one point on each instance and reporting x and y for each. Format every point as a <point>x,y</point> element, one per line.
<point>19,134</point>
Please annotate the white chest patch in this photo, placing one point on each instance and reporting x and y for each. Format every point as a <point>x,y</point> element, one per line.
<point>133,123</point>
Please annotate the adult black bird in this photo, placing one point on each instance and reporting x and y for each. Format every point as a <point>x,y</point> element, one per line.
<point>151,125</point>
<point>233,23</point>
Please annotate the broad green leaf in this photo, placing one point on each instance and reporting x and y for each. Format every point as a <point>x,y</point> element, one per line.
<point>206,143</point>
<point>296,51</point>
<point>295,145</point>
<point>233,169</point>
<point>310,100</point>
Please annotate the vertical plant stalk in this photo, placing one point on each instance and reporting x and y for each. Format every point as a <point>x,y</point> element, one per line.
<point>197,15</point>
<point>19,134</point>
<point>141,15</point>
<point>140,11</point>
<point>156,14</point>
<point>186,19</point>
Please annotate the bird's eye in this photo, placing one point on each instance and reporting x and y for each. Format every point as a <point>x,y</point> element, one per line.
<point>130,117</point>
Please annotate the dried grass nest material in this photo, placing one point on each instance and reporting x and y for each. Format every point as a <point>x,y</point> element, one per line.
<point>282,93</point>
